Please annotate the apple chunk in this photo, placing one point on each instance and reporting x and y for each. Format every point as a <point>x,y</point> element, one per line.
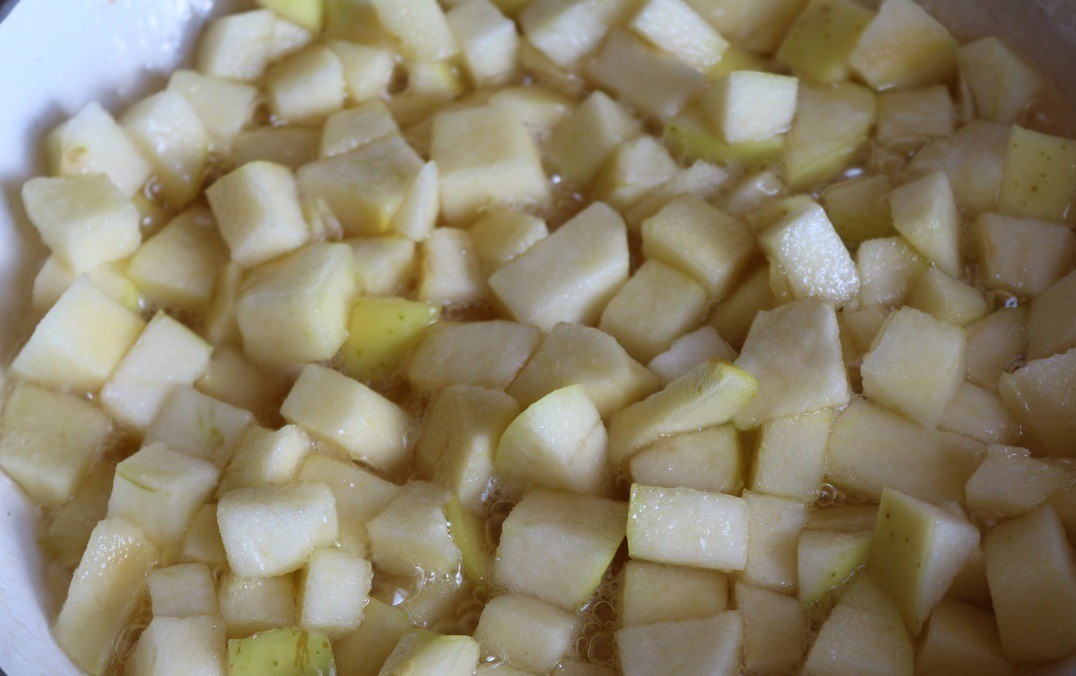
<point>687,527</point>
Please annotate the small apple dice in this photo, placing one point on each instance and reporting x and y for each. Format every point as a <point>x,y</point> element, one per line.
<point>224,106</point>
<point>556,546</point>
<point>183,590</point>
<point>195,642</point>
<point>306,86</point>
<point>257,208</point>
<point>751,106</point>
<point>826,559</point>
<point>709,459</point>
<point>904,46</point>
<point>236,46</point>
<point>50,440</point>
<point>673,26</point>
<point>1039,179</point>
<point>488,40</point>
<point>295,310</point>
<point>261,456</point>
<point>686,527</point>
<point>165,356</point>
<point>654,592</point>
<point>711,645</point>
<point>85,220</point>
<point>819,43</point>
<point>272,530</point>
<point>962,637</point>
<point>1001,84</point>
<point>485,156</point>
<point>334,589</point>
<point>790,456</point>
<point>832,125</point>
<point>1037,396</point>
<point>488,354</point>
<point>364,651</point>
<point>1023,256</point>
<point>558,441</point>
<point>525,633</point>
<point>198,425</point>
<point>159,490</point>
<point>169,133</point>
<point>1051,330</point>
<point>925,212</point>
<point>450,272</point>
<point>774,629</point>
<point>91,142</point>
<point>794,354</point>
<point>567,31</point>
<point>917,551</point>
<point>411,535</point>
<point>581,142</point>
<point>104,593</point>
<point>425,652</point>
<point>947,299</point>
<point>419,25</point>
<point>360,496</point>
<point>708,395</point>
<point>773,528</point>
<point>307,652</point>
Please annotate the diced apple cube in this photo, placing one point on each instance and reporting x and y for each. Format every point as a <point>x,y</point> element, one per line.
<point>364,188</point>
<point>360,496</point>
<point>503,234</point>
<point>570,275</point>
<point>224,106</point>
<point>636,166</point>
<point>295,310</point>
<point>567,30</point>
<point>819,43</point>
<point>1032,576</point>
<point>419,25</point>
<point>424,652</point>
<point>864,628</point>
<point>558,441</point>
<point>380,332</point>
<point>653,592</point>
<point>826,559</point>
<point>701,241</point>
<point>525,633</point>
<point>288,37</point>
<point>307,652</point>
<point>334,589</point>
<point>870,448</point>
<point>556,546</point>
<point>485,156</point>
<point>183,590</point>
<point>104,593</point>
<point>198,425</point>
<point>201,542</point>
<point>1038,397</point>
<point>364,651</point>
<point>831,126</point>
<point>682,526</point>
<point>459,439</point>
<point>487,354</point>
<point>751,106</point>
<point>915,366</point>
<point>735,315</point>
<point>353,128</point>
<point>237,46</point>
<point>904,46</point>
<point>925,213</point>
<point>888,268</point>
<point>1023,256</point>
<point>367,69</point>
<point>382,264</point>
<point>794,354</point>
<point>947,299</point>
<point>961,637</point>
<point>908,118</point>
<point>706,460</point>
<point>411,537</point>
<point>195,642</point>
<point>177,268</point>
<point>774,635</point>
<point>790,457</point>
<point>973,159</point>
<point>91,142</point>
<point>707,396</point>
<point>50,440</point>
<point>1039,179</point>
<point>979,414</point>
<point>309,14</point>
<point>169,133</point>
<point>261,456</point>
<point>655,307</point>
<point>993,342</point>
<point>85,220</point>
<point>858,208</point>
<point>712,645</point>
<point>306,86</point>
<point>488,40</point>
<point>689,351</point>
<point>450,272</point>
<point>1001,84</point>
<point>1009,484</point>
<point>165,356</point>
<point>917,551</point>
<point>257,208</point>
<point>586,136</point>
<point>701,180</point>
<point>773,527</point>
<point>80,341</point>
<point>656,84</point>
<point>271,530</point>
<point>159,490</point>
<point>248,606</point>
<point>231,378</point>
<point>673,26</point>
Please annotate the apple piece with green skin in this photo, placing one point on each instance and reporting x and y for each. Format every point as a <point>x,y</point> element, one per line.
<point>309,653</point>
<point>1039,180</point>
<point>916,553</point>
<point>826,559</point>
<point>380,331</point>
<point>690,134</point>
<point>425,652</point>
<point>307,13</point>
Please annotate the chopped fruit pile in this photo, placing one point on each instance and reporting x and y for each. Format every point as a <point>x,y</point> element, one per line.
<point>571,337</point>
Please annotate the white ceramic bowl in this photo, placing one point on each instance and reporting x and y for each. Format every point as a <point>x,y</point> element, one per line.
<point>58,55</point>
